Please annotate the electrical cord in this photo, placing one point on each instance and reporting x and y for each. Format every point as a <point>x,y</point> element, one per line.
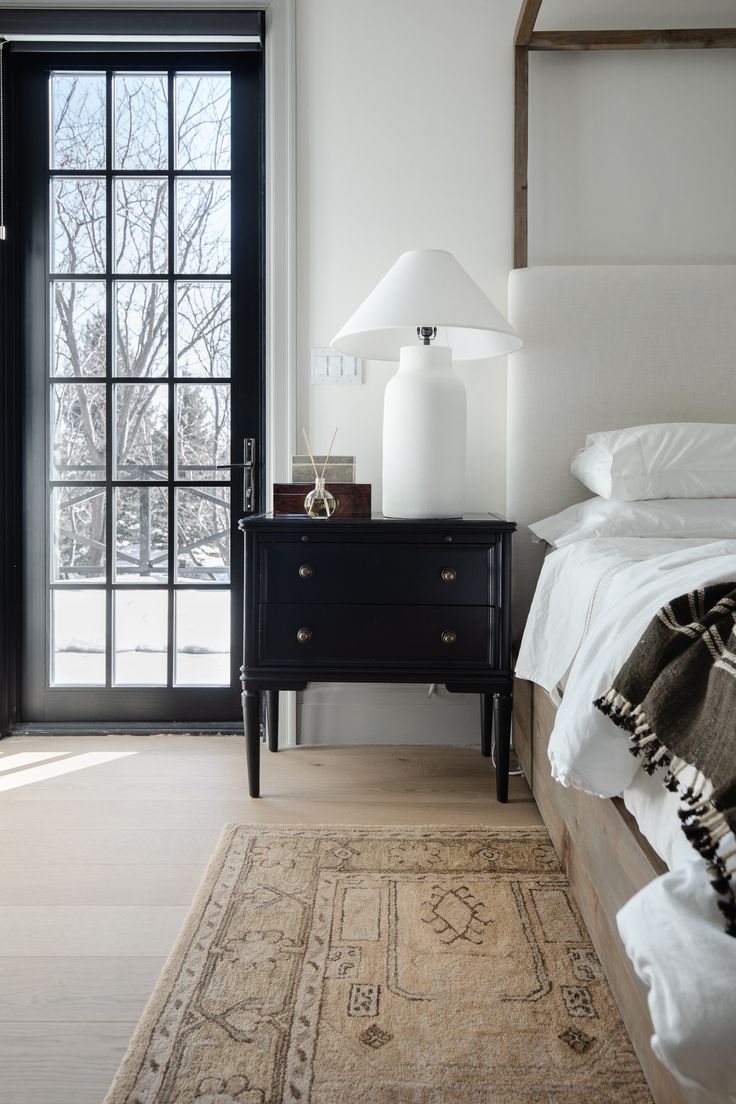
<point>512,773</point>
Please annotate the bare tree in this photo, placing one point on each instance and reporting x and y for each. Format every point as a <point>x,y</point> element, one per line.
<point>140,340</point>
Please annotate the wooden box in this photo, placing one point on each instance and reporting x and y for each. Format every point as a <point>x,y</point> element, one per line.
<point>353,499</point>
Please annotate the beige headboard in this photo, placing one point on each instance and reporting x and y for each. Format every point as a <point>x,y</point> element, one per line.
<point>606,347</point>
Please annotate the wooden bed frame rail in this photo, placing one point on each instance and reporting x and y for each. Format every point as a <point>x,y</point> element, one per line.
<point>606,860</point>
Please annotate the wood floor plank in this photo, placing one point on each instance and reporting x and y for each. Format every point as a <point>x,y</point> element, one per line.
<point>48,845</point>
<point>60,1063</point>
<point>40,817</point>
<point>62,990</point>
<point>158,839</point>
<point>65,884</point>
<point>432,788</point>
<point>223,774</point>
<point>69,930</point>
<point>100,865</point>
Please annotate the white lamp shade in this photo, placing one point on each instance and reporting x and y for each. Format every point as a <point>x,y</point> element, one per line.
<point>426,287</point>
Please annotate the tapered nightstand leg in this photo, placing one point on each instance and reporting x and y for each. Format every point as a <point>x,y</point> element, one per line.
<point>486,724</point>
<point>252,719</point>
<point>502,728</point>
<point>272,719</point>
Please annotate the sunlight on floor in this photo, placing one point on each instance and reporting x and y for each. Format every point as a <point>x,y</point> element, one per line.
<point>26,759</point>
<point>42,773</point>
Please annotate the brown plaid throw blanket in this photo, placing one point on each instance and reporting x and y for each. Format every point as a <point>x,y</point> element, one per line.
<point>676,697</point>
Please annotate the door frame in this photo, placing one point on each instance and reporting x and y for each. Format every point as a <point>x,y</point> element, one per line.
<point>280,333</point>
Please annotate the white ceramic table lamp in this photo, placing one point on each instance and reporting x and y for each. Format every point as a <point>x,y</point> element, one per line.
<point>425,310</point>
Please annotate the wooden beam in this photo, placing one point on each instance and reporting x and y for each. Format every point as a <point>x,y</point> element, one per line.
<point>524,30</point>
<point>525,23</point>
<point>723,38</point>
<point>521,154</point>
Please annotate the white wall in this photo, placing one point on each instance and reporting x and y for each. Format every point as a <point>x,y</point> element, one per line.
<point>404,139</point>
<point>633,157</point>
<point>632,154</point>
<point>404,126</point>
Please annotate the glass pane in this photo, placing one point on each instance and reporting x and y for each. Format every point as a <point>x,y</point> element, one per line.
<point>142,328</point>
<point>203,329</point>
<point>78,120</point>
<point>202,638</point>
<point>140,638</point>
<point>78,430</point>
<point>77,637</point>
<point>202,430</point>
<point>141,431</point>
<point>203,120</point>
<point>141,225</point>
<point>203,535</point>
<point>141,113</point>
<point>78,225</point>
<point>78,528</point>
<point>78,328</point>
<point>203,220</point>
<point>141,534</point>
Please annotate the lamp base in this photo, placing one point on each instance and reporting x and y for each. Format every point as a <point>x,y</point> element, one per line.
<point>424,428</point>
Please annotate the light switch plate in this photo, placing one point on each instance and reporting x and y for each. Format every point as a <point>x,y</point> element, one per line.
<point>329,367</point>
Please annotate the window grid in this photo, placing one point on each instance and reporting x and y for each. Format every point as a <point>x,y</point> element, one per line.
<point>111,278</point>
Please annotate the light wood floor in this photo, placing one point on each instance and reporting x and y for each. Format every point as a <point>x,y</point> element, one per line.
<point>101,858</point>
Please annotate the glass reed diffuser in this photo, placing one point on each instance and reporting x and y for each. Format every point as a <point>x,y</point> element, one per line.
<point>319,503</point>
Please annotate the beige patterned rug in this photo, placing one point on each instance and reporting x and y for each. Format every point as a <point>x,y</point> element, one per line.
<point>382,965</point>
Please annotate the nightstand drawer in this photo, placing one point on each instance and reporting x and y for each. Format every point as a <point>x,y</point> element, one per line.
<point>369,573</point>
<point>376,635</point>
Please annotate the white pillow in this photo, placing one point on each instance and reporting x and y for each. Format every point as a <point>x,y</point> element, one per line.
<point>671,460</point>
<point>671,517</point>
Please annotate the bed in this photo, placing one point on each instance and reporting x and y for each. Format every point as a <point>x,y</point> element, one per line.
<point>604,348</point>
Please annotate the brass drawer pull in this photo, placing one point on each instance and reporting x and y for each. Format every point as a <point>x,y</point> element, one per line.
<point>304,635</point>
<point>306,571</point>
<point>449,637</point>
<point>449,574</point>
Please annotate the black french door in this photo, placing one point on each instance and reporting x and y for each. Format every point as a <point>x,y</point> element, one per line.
<point>138,192</point>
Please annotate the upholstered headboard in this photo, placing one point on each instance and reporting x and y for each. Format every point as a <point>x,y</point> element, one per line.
<point>606,347</point>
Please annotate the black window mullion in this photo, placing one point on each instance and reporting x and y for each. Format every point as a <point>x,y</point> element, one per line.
<point>170,656</point>
<point>147,174</point>
<point>109,394</point>
<point>197,278</point>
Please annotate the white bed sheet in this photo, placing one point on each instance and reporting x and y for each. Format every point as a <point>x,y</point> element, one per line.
<point>655,811</point>
<point>571,592</point>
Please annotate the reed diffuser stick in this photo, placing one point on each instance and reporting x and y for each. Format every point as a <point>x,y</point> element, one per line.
<point>329,453</point>
<point>309,450</point>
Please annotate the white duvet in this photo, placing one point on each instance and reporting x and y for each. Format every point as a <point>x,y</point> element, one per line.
<point>584,624</point>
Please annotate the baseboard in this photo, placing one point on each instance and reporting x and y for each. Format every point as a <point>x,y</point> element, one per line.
<point>132,728</point>
<point>382,713</point>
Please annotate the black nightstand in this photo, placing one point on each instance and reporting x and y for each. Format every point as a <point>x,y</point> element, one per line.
<point>378,600</point>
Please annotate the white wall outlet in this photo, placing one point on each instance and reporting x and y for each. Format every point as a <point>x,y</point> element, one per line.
<point>331,367</point>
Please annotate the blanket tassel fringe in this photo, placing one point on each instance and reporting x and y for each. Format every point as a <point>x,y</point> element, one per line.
<point>703,824</point>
